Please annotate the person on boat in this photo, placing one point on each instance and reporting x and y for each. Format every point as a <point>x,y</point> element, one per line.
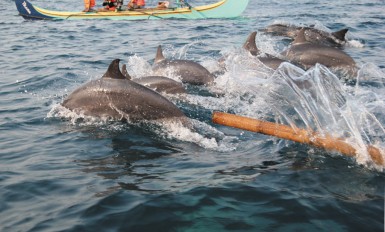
<point>163,5</point>
<point>119,5</point>
<point>88,5</point>
<point>136,4</point>
<point>109,5</point>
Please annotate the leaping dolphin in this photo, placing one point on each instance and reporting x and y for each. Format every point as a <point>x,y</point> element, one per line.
<point>189,71</point>
<point>115,97</point>
<point>159,84</point>
<point>268,60</point>
<point>313,35</point>
<point>307,54</point>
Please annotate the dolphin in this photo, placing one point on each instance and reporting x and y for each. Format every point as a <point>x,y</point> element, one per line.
<point>307,54</point>
<point>159,84</point>
<point>278,29</point>
<point>189,71</point>
<point>313,35</point>
<point>115,97</point>
<point>268,60</point>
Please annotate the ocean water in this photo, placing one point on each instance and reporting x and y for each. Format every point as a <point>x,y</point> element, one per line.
<point>59,172</point>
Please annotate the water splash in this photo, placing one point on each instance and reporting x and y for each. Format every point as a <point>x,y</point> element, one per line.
<point>78,119</point>
<point>201,134</point>
<point>138,67</point>
<point>317,100</point>
<point>192,131</point>
<point>355,44</point>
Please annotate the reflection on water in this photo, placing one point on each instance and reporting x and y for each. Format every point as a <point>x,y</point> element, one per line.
<point>133,160</point>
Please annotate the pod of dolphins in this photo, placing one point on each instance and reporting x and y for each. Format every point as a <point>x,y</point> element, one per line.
<point>117,96</point>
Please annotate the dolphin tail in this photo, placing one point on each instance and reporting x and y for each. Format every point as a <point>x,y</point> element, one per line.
<point>113,71</point>
<point>300,37</point>
<point>125,73</point>
<point>340,34</point>
<point>159,54</point>
<point>250,44</point>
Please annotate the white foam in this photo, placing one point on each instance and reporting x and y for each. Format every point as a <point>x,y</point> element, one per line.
<point>138,67</point>
<point>59,111</point>
<point>201,134</point>
<point>354,44</point>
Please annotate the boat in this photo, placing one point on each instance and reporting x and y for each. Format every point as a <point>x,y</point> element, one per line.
<point>220,9</point>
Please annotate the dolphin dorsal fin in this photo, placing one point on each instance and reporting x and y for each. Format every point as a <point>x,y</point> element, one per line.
<point>340,34</point>
<point>125,73</point>
<point>250,44</point>
<point>300,38</point>
<point>159,54</point>
<point>113,71</point>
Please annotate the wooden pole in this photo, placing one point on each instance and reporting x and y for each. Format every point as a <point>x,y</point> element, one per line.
<point>297,135</point>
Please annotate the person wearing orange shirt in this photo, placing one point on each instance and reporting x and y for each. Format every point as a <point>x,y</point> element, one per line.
<point>88,5</point>
<point>136,4</point>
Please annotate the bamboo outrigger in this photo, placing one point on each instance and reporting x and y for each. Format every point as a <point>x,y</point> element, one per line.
<point>298,135</point>
<point>221,9</point>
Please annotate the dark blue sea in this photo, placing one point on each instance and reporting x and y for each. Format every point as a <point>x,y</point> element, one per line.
<point>61,172</point>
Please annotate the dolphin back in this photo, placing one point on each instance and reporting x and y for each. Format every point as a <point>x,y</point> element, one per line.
<point>340,35</point>
<point>161,84</point>
<point>159,54</point>
<point>312,34</point>
<point>308,55</point>
<point>250,44</point>
<point>120,99</point>
<point>189,71</point>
